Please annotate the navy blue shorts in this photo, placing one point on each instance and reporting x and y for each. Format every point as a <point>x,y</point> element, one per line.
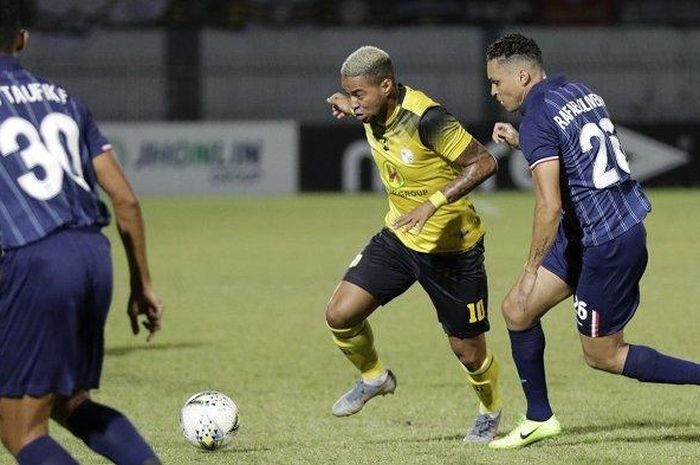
<point>54,297</point>
<point>605,279</point>
<point>455,282</point>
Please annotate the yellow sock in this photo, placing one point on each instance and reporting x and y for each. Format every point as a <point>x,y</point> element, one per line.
<point>357,344</point>
<point>485,383</point>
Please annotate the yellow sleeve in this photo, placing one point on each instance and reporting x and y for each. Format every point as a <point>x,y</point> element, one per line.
<point>442,133</point>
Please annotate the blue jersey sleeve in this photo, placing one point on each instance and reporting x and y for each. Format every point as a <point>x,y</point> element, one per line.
<point>539,138</point>
<point>95,141</point>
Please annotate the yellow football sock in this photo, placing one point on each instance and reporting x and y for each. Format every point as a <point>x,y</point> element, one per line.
<point>485,383</point>
<point>357,344</point>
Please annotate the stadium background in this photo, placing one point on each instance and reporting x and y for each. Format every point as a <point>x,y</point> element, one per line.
<point>234,61</point>
<point>217,110</point>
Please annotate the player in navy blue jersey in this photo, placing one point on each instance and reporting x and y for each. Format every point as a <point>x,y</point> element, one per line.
<point>588,236</point>
<point>56,270</point>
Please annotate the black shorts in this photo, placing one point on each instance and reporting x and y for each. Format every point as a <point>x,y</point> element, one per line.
<point>455,282</point>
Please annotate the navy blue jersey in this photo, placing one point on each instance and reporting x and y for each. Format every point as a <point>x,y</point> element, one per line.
<point>47,143</point>
<point>567,121</point>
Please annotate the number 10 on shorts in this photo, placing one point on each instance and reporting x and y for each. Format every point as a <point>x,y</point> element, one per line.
<point>477,312</point>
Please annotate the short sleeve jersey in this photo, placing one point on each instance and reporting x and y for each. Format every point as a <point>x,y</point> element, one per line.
<point>568,123</point>
<point>47,143</point>
<point>415,153</point>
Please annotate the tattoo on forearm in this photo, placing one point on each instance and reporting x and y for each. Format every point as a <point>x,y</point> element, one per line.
<point>466,181</point>
<point>477,165</point>
<point>541,250</point>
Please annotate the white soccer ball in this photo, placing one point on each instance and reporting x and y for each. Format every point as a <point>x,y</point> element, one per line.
<point>209,420</point>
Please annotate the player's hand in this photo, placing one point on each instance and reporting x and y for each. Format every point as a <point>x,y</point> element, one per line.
<point>340,105</point>
<point>413,221</point>
<point>145,302</point>
<point>505,132</point>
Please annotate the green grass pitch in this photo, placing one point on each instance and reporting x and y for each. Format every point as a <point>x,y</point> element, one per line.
<point>246,281</point>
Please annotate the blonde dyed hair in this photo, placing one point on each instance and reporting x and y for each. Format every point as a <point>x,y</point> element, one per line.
<point>368,60</point>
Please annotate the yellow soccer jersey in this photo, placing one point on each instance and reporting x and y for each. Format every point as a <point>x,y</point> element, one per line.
<point>412,171</point>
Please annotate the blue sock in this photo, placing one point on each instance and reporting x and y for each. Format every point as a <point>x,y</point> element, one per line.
<point>649,366</point>
<point>528,354</point>
<point>109,433</point>
<point>44,451</point>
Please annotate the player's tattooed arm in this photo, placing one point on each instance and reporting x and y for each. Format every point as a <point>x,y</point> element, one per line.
<point>547,214</point>
<point>541,250</point>
<point>477,165</point>
<point>545,223</point>
<point>438,131</point>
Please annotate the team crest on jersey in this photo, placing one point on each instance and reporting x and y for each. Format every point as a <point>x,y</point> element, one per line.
<point>407,156</point>
<point>392,176</point>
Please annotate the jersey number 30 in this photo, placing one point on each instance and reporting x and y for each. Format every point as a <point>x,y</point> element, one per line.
<point>604,130</point>
<point>44,149</point>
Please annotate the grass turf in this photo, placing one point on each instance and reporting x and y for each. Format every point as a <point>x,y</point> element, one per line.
<point>246,281</point>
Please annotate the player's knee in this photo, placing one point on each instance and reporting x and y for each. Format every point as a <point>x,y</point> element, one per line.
<point>513,315</point>
<point>470,358</point>
<point>470,352</point>
<point>336,314</point>
<point>601,362</point>
<point>64,407</point>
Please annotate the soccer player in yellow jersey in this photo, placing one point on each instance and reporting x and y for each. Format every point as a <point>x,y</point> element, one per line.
<point>428,163</point>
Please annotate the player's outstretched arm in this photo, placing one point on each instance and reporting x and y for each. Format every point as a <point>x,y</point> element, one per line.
<point>143,300</point>
<point>505,132</point>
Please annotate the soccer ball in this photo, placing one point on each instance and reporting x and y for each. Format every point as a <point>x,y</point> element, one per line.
<point>209,420</point>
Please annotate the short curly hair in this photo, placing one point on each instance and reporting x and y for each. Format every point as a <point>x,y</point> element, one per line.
<point>368,60</point>
<point>515,45</point>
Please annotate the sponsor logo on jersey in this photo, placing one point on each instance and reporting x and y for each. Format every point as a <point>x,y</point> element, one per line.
<point>409,194</point>
<point>392,176</point>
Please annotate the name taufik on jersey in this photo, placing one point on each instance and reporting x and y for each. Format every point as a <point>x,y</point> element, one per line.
<point>33,92</point>
<point>48,141</point>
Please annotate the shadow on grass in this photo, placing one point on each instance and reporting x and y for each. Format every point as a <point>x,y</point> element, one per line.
<point>235,450</point>
<point>628,431</point>
<point>120,351</point>
<point>451,437</point>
